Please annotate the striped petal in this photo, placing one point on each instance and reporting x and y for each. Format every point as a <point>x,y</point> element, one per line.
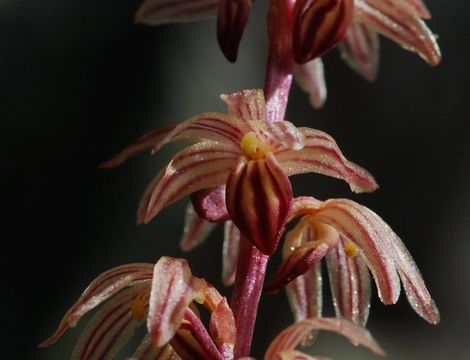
<point>200,166</point>
<point>230,253</point>
<point>148,351</point>
<point>208,127</point>
<point>415,289</point>
<point>420,8</point>
<point>350,284</point>
<point>259,197</point>
<point>321,154</point>
<point>279,135</point>
<point>290,337</point>
<point>111,327</point>
<point>209,204</point>
<point>318,26</point>
<point>360,50</point>
<point>101,289</point>
<point>367,231</point>
<point>145,143</point>
<point>297,263</point>
<point>156,12</point>
<point>196,230</point>
<point>399,22</point>
<point>311,79</point>
<point>231,21</point>
<point>173,289</point>
<point>246,105</point>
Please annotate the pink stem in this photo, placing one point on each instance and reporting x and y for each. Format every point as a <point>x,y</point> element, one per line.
<point>251,269</point>
<point>202,336</point>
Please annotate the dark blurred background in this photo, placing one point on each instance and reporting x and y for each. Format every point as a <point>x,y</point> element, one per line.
<point>79,81</point>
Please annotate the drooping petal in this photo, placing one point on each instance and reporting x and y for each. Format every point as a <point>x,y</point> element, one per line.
<point>156,12</point>
<point>259,197</point>
<point>148,351</point>
<point>208,127</point>
<point>420,8</point>
<point>399,22</point>
<point>360,225</point>
<point>230,253</point>
<point>231,21</point>
<point>209,204</point>
<point>101,289</point>
<point>111,327</point>
<point>223,330</point>
<point>298,263</point>
<point>349,283</point>
<point>173,289</point>
<point>318,26</point>
<point>290,337</point>
<point>321,154</point>
<point>146,142</point>
<point>196,229</point>
<point>360,50</point>
<point>200,166</point>
<point>311,79</point>
<point>246,105</point>
<point>415,289</point>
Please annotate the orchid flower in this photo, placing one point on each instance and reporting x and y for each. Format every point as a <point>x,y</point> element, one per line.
<point>166,297</point>
<point>352,238</point>
<point>252,157</point>
<point>307,29</point>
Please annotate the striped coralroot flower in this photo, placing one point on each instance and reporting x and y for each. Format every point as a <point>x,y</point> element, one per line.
<point>250,155</point>
<point>352,238</point>
<point>164,296</point>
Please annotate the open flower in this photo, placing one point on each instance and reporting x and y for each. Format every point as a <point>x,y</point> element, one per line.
<point>352,238</point>
<point>164,295</point>
<point>252,157</point>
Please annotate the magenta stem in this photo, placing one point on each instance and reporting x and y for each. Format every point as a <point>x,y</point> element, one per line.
<point>251,269</point>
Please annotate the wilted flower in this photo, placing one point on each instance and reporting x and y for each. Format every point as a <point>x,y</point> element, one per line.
<point>249,155</point>
<point>352,238</point>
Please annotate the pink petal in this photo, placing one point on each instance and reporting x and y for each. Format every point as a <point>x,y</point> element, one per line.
<point>350,284</point>
<point>230,253</point>
<point>223,329</point>
<point>102,288</point>
<point>415,289</point>
<point>156,12</point>
<point>399,22</point>
<point>246,105</point>
<point>298,263</point>
<point>231,21</point>
<point>420,8</point>
<point>368,231</point>
<point>208,127</point>
<point>311,79</point>
<point>298,355</point>
<point>290,337</point>
<point>196,230</point>
<point>148,351</point>
<point>280,135</point>
<point>209,204</point>
<point>322,155</point>
<point>259,197</point>
<point>111,327</point>
<point>360,50</point>
<point>200,166</point>
<point>146,142</point>
<point>318,26</point>
<point>173,289</point>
